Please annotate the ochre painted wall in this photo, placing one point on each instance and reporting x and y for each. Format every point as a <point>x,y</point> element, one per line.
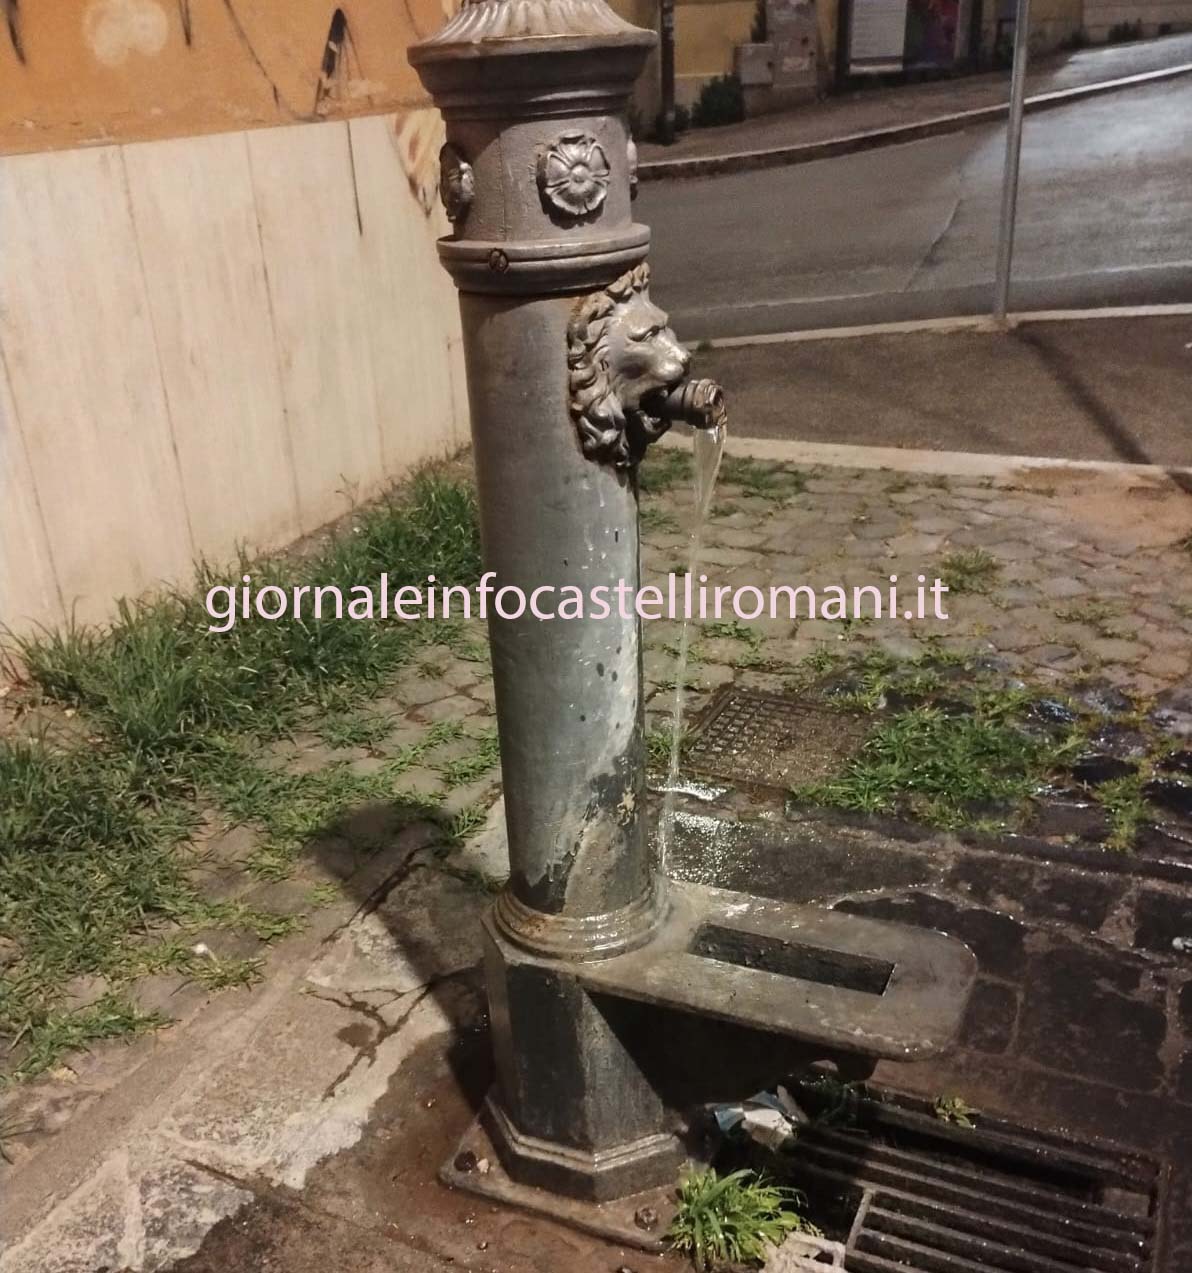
<point>706,33</point>
<point>82,73</point>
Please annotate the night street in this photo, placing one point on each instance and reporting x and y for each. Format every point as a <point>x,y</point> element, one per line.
<point>1105,218</point>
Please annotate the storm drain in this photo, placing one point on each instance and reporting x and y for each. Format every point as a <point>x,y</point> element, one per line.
<point>770,740</point>
<point>937,1198</point>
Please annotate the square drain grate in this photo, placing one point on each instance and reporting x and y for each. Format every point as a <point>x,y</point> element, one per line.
<point>937,1198</point>
<point>772,741</point>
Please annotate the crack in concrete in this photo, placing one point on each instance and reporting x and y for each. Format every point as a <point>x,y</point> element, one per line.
<point>377,896</point>
<point>385,1030</point>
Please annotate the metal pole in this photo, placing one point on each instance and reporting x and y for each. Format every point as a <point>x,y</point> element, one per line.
<point>666,54</point>
<point>1005,243</point>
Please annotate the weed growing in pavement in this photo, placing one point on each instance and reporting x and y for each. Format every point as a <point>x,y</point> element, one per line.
<point>361,728</point>
<point>1127,808</point>
<point>1096,614</point>
<point>655,519</point>
<point>940,764</point>
<point>471,768</point>
<point>971,571</point>
<point>658,746</point>
<point>761,478</point>
<point>954,1109</point>
<point>662,469</point>
<point>735,1218</point>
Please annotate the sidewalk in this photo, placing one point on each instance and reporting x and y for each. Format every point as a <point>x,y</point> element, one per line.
<point>867,118</point>
<point>298,1126</point>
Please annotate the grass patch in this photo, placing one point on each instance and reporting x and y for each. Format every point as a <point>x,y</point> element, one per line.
<point>734,1218</point>
<point>940,764</point>
<point>761,478</point>
<point>91,864</point>
<point>1127,809</point>
<point>46,1037</point>
<point>971,571</point>
<point>955,1110</point>
<point>345,730</point>
<point>467,769</point>
<point>655,519</point>
<point>664,468</point>
<point>158,682</point>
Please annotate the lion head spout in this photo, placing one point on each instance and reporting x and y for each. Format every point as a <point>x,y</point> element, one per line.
<point>622,356</point>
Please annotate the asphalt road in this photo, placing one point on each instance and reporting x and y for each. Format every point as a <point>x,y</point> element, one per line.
<point>1105,218</point>
<point>1106,389</point>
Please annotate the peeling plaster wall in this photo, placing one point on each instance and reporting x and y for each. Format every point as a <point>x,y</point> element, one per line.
<point>210,341</point>
<point>221,320</point>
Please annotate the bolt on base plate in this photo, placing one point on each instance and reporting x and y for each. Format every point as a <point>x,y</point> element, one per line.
<point>476,1168</point>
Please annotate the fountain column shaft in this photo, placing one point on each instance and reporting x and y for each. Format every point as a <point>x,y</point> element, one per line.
<point>559,528</point>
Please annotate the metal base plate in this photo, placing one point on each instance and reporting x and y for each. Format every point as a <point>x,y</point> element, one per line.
<point>613,1221</point>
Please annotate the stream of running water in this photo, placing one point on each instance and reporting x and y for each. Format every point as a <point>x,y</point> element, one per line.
<point>709,448</point>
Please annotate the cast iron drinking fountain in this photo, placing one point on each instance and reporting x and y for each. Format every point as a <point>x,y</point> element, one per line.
<point>615,995</point>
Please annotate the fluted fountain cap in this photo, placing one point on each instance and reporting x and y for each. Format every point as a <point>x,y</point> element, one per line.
<point>483,27</point>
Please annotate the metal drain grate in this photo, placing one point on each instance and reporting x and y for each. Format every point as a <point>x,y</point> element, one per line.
<point>773,741</point>
<point>930,1197</point>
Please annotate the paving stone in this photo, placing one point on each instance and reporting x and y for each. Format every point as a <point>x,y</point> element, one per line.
<point>996,939</point>
<point>1162,919</point>
<point>484,694</point>
<point>461,674</point>
<point>1003,882</point>
<point>1115,650</point>
<point>365,766</point>
<point>1063,587</point>
<point>235,845</point>
<point>417,691</point>
<point>1075,898</point>
<point>1050,655</point>
<point>419,782</point>
<point>1183,1078</point>
<point>991,1017</point>
<point>1022,572</point>
<point>1077,1000</point>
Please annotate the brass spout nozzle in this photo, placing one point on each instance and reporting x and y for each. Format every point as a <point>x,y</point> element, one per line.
<point>696,402</point>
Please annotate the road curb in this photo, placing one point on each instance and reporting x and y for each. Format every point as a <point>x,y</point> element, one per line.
<point>957,464</point>
<point>898,134</point>
<point>982,323</point>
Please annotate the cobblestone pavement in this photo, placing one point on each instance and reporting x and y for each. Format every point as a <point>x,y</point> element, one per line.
<point>1083,1016</point>
<point>1086,573</point>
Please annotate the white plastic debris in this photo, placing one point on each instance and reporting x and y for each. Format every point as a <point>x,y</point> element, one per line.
<point>769,1118</point>
<point>802,1253</point>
